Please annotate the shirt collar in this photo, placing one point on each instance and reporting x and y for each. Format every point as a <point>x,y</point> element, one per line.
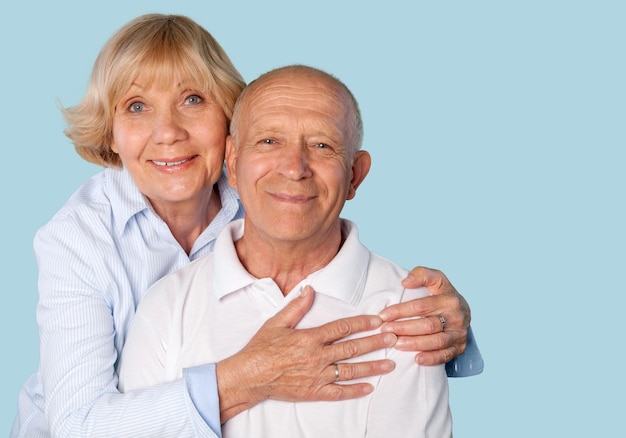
<point>231,210</point>
<point>127,200</point>
<point>125,197</point>
<point>343,278</point>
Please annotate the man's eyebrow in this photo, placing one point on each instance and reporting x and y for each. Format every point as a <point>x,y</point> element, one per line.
<point>264,129</point>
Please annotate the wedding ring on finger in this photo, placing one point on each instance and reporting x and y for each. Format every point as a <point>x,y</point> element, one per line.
<point>336,371</point>
<point>443,322</point>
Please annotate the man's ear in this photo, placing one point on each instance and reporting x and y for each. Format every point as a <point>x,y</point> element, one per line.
<point>360,169</point>
<point>231,161</point>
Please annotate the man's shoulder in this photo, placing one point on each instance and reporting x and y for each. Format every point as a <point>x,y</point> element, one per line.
<point>177,285</point>
<point>384,268</point>
<point>385,274</point>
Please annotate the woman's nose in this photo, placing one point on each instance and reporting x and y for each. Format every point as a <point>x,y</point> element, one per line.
<point>168,127</point>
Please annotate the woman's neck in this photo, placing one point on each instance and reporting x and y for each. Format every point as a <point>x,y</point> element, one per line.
<point>187,220</point>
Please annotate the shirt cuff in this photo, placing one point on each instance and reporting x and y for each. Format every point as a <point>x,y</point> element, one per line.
<point>470,363</point>
<point>201,383</point>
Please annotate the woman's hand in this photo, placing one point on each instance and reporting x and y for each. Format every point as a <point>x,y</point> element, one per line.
<point>436,341</point>
<point>284,363</point>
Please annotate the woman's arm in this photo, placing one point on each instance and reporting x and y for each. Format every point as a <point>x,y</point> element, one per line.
<point>78,325</point>
<point>436,344</point>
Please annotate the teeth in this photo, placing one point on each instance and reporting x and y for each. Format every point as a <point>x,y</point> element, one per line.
<point>169,163</point>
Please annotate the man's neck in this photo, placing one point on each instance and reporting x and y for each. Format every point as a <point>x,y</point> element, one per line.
<point>287,262</point>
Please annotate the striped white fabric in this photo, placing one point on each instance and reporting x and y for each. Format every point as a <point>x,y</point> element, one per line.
<point>97,257</point>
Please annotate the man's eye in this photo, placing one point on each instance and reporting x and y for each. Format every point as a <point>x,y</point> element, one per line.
<point>322,146</point>
<point>136,107</point>
<point>268,141</point>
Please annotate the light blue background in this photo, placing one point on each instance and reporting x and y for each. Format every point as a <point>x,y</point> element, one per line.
<point>497,133</point>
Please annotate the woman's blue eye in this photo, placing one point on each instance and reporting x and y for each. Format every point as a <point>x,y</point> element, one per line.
<point>136,107</point>
<point>194,100</point>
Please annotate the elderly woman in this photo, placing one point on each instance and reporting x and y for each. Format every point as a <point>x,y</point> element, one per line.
<point>156,116</point>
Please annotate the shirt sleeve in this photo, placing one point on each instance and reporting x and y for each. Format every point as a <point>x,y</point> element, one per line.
<point>78,351</point>
<point>202,387</point>
<point>470,363</point>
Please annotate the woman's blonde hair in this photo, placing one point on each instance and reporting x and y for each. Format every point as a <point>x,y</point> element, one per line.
<point>161,48</point>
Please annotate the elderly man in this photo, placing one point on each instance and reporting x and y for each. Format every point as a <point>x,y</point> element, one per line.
<point>294,156</point>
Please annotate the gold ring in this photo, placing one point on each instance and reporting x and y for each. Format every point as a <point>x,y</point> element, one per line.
<point>336,372</point>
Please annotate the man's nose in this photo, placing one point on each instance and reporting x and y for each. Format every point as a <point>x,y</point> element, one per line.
<point>295,162</point>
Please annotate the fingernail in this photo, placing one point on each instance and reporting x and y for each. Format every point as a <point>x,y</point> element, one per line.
<point>375,321</point>
<point>368,389</point>
<point>388,366</point>
<point>386,328</point>
<point>402,342</point>
<point>390,339</point>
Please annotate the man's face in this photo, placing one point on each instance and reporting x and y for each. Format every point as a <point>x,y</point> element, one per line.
<point>293,166</point>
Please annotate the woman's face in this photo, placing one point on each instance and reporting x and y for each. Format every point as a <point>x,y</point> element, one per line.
<point>171,139</point>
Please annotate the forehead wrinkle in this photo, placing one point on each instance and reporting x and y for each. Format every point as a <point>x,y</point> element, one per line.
<point>273,122</point>
<point>296,86</point>
<point>307,102</point>
<point>303,96</point>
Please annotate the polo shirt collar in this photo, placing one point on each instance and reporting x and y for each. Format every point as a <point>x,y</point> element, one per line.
<point>343,278</point>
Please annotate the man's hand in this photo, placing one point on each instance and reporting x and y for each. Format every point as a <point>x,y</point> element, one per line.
<point>436,344</point>
<point>284,363</point>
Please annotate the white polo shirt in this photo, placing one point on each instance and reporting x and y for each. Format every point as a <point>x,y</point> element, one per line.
<point>209,310</point>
